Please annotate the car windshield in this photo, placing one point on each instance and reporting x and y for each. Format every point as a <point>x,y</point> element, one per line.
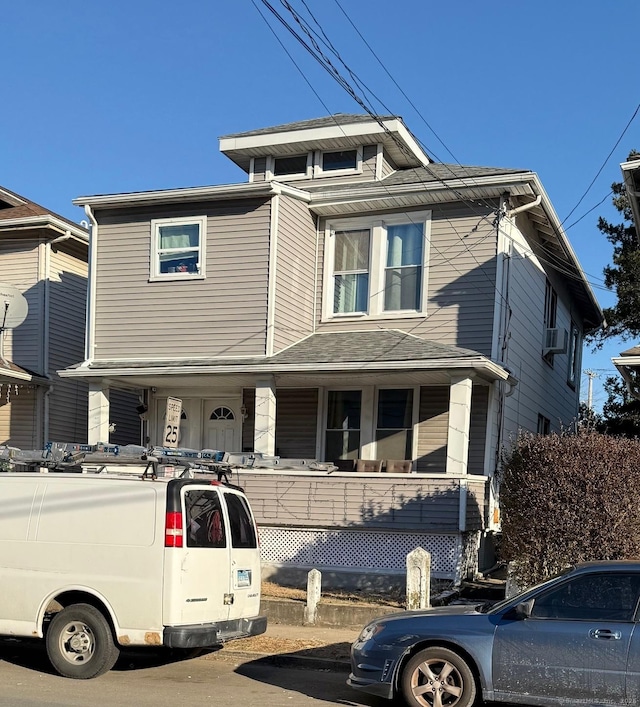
<point>492,608</point>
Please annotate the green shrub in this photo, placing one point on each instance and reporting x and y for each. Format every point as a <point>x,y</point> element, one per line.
<point>566,499</point>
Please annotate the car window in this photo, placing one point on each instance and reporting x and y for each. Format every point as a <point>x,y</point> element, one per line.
<point>242,530</point>
<point>205,524</point>
<point>595,597</point>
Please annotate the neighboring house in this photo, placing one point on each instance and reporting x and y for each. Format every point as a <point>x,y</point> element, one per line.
<point>351,300</point>
<point>628,362</point>
<point>44,257</point>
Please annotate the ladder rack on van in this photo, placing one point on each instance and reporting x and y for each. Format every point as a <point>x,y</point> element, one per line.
<point>159,461</point>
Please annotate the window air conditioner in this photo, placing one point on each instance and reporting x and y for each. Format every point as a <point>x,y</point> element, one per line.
<point>555,341</point>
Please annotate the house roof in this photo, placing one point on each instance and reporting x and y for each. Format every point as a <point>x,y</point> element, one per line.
<point>631,176</point>
<point>351,354</point>
<point>19,213</point>
<point>341,131</point>
<point>379,345</point>
<point>326,121</point>
<point>11,373</point>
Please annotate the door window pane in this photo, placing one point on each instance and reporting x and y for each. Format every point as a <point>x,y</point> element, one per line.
<point>403,272</point>
<point>205,523</point>
<point>605,597</point>
<point>343,424</point>
<point>394,430</point>
<point>242,529</point>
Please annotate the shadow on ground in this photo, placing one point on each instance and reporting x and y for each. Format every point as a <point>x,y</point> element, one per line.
<point>32,655</point>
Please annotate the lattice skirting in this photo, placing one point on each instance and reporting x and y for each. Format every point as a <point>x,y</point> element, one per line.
<point>362,550</point>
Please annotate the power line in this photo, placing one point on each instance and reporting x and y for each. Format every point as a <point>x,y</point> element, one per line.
<point>635,113</point>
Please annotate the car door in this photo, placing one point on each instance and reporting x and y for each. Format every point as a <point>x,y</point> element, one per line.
<point>574,646</point>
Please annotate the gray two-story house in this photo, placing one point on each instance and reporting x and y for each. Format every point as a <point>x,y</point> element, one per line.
<point>350,301</point>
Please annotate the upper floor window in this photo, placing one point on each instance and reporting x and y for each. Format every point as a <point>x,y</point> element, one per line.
<point>295,166</point>
<point>178,248</point>
<point>376,267</point>
<point>342,159</point>
<point>575,346</point>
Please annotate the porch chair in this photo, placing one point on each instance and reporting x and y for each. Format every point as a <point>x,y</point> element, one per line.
<point>397,466</point>
<point>369,465</point>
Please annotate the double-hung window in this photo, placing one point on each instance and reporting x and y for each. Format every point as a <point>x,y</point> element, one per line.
<point>377,268</point>
<point>177,251</point>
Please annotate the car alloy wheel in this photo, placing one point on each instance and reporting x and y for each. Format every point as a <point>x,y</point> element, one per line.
<point>438,677</point>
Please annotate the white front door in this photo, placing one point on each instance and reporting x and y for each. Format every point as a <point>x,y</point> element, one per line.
<point>222,425</point>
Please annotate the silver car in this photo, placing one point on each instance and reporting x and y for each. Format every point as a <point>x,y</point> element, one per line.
<point>573,640</point>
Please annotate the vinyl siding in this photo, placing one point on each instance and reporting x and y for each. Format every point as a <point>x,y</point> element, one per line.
<point>541,389</point>
<point>19,420</point>
<point>260,169</point>
<point>461,282</point>
<point>477,505</point>
<point>295,273</point>
<point>387,167</point>
<point>478,429</point>
<point>67,298</point>
<point>222,315</point>
<point>19,262</point>
<point>411,504</point>
<point>433,430</point>
<point>296,423</point>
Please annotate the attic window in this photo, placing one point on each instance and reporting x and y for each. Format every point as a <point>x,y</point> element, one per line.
<point>295,165</point>
<point>343,159</point>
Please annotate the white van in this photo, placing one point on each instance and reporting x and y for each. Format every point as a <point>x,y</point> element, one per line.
<point>92,562</point>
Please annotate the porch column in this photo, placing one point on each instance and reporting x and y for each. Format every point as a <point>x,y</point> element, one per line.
<point>98,413</point>
<point>264,439</point>
<point>459,424</point>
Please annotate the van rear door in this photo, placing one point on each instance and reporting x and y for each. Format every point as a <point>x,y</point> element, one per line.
<point>197,556</point>
<point>245,557</point>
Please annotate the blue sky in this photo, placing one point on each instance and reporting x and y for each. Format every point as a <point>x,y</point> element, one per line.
<point>132,95</point>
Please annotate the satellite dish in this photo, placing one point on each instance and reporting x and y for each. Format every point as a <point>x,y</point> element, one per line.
<point>13,307</point>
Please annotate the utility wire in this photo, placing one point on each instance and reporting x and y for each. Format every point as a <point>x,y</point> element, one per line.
<point>627,126</point>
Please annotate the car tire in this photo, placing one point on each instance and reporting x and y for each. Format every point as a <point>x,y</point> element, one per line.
<point>80,644</point>
<point>438,677</point>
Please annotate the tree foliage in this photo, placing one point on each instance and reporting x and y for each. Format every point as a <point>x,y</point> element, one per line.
<point>623,276</point>
<point>568,498</point>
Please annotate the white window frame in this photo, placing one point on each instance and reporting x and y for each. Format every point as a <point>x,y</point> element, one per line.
<point>377,264</point>
<point>271,163</point>
<point>318,171</point>
<point>156,224</point>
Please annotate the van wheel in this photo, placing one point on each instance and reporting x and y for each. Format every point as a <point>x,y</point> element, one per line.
<point>80,644</point>
<point>438,677</point>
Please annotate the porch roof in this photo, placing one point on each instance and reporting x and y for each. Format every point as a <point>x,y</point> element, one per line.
<point>318,359</point>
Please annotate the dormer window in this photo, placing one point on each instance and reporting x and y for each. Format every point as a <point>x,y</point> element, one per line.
<point>294,166</point>
<point>340,162</point>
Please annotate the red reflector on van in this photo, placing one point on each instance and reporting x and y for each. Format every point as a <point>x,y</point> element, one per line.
<point>173,530</point>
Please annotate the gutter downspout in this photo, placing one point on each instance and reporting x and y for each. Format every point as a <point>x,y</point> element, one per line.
<point>89,344</point>
<point>536,202</point>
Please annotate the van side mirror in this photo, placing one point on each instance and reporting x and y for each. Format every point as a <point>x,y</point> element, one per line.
<point>524,609</point>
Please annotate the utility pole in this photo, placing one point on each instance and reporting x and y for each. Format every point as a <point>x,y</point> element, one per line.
<point>591,375</point>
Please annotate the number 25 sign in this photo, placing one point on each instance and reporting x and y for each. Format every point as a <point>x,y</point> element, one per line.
<point>172,422</point>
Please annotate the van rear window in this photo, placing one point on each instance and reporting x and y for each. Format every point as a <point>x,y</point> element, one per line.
<point>205,523</point>
<point>243,533</point>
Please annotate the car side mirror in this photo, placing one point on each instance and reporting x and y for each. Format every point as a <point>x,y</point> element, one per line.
<point>524,609</point>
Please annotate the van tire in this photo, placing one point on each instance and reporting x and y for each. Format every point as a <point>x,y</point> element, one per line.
<point>80,644</point>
